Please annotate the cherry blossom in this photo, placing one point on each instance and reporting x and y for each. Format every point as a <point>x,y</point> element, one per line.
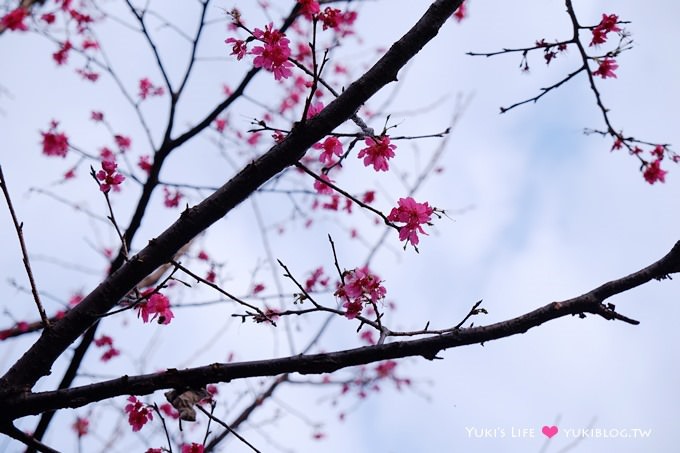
<point>108,176</point>
<point>148,89</point>
<point>606,25</point>
<point>239,47</point>
<point>145,163</point>
<point>80,426</point>
<point>377,152</point>
<point>309,8</point>
<point>138,413</point>
<point>61,55</point>
<point>54,143</point>
<point>123,142</point>
<point>654,173</point>
<point>606,68</point>
<point>193,448</point>
<point>460,13</point>
<point>171,199</point>
<point>323,188</point>
<point>14,20</point>
<point>360,286</point>
<point>273,56</point>
<point>159,306</point>
<point>413,215</point>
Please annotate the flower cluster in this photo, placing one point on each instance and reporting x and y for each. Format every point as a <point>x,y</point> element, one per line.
<point>108,176</point>
<point>606,68</point>
<point>158,306</point>
<point>653,172</point>
<point>193,448</point>
<point>106,341</point>
<point>138,413</point>
<point>171,199</point>
<point>606,25</point>
<point>147,89</point>
<point>413,215</point>
<point>360,286</point>
<point>14,20</point>
<point>377,152</point>
<point>54,143</point>
<point>273,55</point>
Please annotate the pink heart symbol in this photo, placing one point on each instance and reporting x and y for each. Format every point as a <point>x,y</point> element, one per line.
<point>549,431</point>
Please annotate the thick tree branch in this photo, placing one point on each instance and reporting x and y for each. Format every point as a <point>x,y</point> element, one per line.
<point>591,302</point>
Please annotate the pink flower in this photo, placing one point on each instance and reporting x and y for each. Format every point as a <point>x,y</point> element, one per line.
<point>170,199</point>
<point>159,306</point>
<point>138,413</point>
<point>108,176</point>
<point>147,89</point>
<point>273,56</point>
<point>193,448</point>
<point>314,109</point>
<point>361,283</point>
<point>323,188</point>
<point>353,308</point>
<point>54,143</point>
<point>109,354</point>
<point>460,13</point>
<point>145,163</point>
<point>104,340</point>
<point>220,124</point>
<point>360,286</point>
<point>14,20</point>
<point>337,20</point>
<point>606,69</point>
<point>88,75</point>
<point>654,173</point>
<point>97,116</point>
<point>309,8</point>
<point>239,47</point>
<point>258,288</point>
<point>169,411</point>
<point>154,450</point>
<point>48,18</point>
<point>61,55</point>
<point>123,142</point>
<point>80,426</point>
<point>606,25</point>
<point>377,152</point>
<point>413,215</point>
<point>385,369</point>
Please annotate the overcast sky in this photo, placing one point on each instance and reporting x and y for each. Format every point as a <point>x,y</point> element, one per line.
<point>540,212</point>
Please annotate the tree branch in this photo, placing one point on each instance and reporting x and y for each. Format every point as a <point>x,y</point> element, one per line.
<point>28,403</point>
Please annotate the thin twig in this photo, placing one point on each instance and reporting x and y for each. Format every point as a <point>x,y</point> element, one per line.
<point>27,264</point>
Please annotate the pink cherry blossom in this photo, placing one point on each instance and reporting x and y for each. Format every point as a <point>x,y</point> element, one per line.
<point>54,143</point>
<point>654,173</point>
<point>80,426</point>
<point>159,306</point>
<point>238,48</point>
<point>606,25</point>
<point>606,68</point>
<point>108,176</point>
<point>138,413</point>
<point>14,20</point>
<point>273,55</point>
<point>309,8</point>
<point>193,448</point>
<point>413,215</point>
<point>377,152</point>
<point>331,147</point>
